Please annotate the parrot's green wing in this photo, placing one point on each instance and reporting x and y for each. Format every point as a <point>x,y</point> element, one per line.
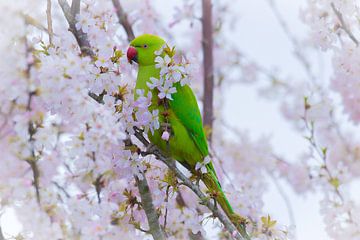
<point>185,107</point>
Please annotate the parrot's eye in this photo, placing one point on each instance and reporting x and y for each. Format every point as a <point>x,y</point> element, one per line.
<point>145,46</point>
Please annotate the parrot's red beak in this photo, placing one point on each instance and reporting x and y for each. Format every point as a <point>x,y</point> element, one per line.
<point>132,55</point>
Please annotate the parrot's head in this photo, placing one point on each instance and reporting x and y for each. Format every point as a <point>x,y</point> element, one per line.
<point>142,49</point>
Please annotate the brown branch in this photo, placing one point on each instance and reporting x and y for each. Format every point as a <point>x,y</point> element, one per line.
<point>49,22</point>
<point>207,43</point>
<point>98,184</point>
<point>205,200</point>
<point>33,22</point>
<point>123,20</point>
<point>1,235</point>
<point>99,98</point>
<point>61,188</point>
<point>80,36</point>
<point>75,7</point>
<point>147,204</point>
<point>344,25</point>
<point>32,128</point>
<point>36,176</point>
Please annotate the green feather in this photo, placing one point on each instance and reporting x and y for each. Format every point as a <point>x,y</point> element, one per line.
<point>187,144</point>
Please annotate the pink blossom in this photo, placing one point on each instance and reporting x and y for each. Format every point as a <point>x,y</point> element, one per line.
<point>165,135</point>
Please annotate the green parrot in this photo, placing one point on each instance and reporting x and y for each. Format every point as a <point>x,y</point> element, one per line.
<point>187,142</point>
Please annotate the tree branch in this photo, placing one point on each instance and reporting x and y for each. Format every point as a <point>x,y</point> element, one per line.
<point>344,25</point>
<point>75,7</point>
<point>205,200</point>
<point>36,176</point>
<point>32,128</point>
<point>49,22</point>
<point>207,43</point>
<point>123,20</point>
<point>61,188</point>
<point>147,204</point>
<point>1,234</point>
<point>81,37</point>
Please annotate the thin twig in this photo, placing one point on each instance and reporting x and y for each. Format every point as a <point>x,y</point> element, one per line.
<point>147,204</point>
<point>49,22</point>
<point>123,20</point>
<point>344,25</point>
<point>322,154</point>
<point>6,120</point>
<point>33,22</point>
<point>298,51</point>
<point>208,65</point>
<point>98,184</point>
<point>285,198</point>
<point>57,185</point>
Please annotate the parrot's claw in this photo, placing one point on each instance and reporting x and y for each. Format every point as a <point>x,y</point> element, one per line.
<point>239,219</point>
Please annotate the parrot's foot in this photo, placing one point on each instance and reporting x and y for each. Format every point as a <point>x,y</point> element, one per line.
<point>236,218</point>
<point>195,178</point>
<point>214,195</point>
<point>203,201</point>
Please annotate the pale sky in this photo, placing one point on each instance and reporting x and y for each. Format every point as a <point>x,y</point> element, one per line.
<point>261,37</point>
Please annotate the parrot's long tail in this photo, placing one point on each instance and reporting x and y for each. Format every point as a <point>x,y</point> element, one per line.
<point>212,183</point>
